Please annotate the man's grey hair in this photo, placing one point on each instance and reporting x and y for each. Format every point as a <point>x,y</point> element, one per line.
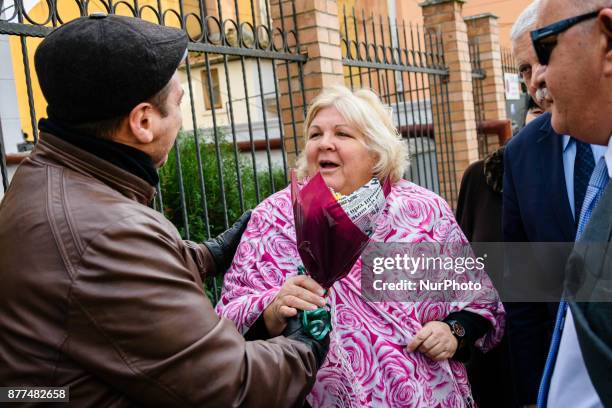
<point>525,22</point>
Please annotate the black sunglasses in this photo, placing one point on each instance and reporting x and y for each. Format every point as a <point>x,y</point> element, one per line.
<point>545,39</point>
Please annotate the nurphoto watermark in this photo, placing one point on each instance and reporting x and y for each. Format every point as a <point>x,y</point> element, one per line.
<point>463,272</point>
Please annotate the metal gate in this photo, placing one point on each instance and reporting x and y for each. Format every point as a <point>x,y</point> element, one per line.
<point>233,149</point>
<point>478,76</point>
<point>406,67</point>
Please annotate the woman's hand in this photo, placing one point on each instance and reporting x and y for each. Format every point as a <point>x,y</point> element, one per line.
<point>435,340</point>
<point>298,292</point>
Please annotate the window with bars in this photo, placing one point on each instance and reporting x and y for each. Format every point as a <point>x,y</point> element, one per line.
<point>216,89</point>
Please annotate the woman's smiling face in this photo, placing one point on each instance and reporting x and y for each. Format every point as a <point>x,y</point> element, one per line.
<point>338,151</point>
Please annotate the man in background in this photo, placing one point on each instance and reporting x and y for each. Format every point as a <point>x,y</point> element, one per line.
<point>499,377</point>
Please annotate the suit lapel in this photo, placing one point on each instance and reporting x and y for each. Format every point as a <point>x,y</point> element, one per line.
<point>591,276</point>
<point>551,153</point>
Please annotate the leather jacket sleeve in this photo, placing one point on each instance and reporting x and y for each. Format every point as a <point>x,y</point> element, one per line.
<point>215,255</point>
<point>141,322</point>
<point>203,258</point>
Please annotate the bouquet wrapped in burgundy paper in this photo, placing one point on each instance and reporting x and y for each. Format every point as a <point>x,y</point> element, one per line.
<point>332,231</point>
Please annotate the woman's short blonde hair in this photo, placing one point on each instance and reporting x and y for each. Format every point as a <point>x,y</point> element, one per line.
<point>363,111</point>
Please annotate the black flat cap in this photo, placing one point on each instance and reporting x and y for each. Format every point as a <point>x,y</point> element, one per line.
<point>100,67</point>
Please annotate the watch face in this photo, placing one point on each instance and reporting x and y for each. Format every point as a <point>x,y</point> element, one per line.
<point>458,329</point>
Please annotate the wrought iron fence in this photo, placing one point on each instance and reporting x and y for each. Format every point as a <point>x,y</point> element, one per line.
<point>3,169</point>
<point>517,102</point>
<point>478,76</point>
<point>231,152</point>
<point>405,66</point>
<point>508,61</point>
<point>233,149</point>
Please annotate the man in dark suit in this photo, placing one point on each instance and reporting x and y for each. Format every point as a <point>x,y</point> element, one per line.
<point>536,209</point>
<point>575,44</point>
<point>545,181</point>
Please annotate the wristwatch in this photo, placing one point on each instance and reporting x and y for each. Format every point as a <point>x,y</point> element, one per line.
<point>458,331</point>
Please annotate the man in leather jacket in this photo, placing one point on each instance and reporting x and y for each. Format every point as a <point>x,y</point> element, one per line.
<point>99,292</point>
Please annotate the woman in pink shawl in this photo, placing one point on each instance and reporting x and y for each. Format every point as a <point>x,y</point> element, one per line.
<point>351,138</point>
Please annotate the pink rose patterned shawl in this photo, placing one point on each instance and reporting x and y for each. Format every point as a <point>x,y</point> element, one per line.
<point>367,364</point>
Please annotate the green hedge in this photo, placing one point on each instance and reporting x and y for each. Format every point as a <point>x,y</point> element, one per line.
<point>193,192</point>
<point>171,197</point>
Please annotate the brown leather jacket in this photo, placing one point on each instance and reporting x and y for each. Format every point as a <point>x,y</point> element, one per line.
<point>99,293</point>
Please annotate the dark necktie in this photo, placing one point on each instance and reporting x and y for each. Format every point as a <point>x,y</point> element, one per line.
<point>583,168</point>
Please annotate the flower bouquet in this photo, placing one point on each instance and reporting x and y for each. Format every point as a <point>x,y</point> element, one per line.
<point>332,231</point>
